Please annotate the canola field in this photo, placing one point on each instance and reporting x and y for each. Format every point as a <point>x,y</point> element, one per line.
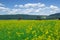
<point>29,29</point>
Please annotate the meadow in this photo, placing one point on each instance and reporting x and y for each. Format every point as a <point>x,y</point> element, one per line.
<point>29,29</point>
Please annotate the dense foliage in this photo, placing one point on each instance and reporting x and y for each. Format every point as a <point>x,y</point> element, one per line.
<point>29,30</point>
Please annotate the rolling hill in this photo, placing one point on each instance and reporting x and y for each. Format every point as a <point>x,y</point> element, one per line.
<point>30,17</point>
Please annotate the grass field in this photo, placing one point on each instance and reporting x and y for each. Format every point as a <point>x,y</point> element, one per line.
<point>29,30</point>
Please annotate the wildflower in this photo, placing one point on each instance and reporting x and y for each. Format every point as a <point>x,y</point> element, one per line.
<point>49,38</point>
<point>30,28</point>
<point>46,32</point>
<point>27,38</point>
<point>33,32</point>
<point>18,34</point>
<point>34,39</point>
<point>39,36</point>
<point>9,32</point>
<point>27,31</point>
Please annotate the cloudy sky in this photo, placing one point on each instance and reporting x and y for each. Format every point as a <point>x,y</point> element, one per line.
<point>30,7</point>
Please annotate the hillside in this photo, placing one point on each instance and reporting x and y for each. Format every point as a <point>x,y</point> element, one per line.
<point>54,16</point>
<point>30,17</point>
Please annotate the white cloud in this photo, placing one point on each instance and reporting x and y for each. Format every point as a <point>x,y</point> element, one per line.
<point>3,9</point>
<point>31,8</point>
<point>54,7</point>
<point>31,5</point>
<point>15,11</point>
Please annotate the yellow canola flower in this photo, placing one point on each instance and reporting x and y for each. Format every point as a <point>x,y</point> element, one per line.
<point>40,37</point>
<point>27,38</point>
<point>29,29</point>
<point>46,32</point>
<point>18,34</point>
<point>9,32</point>
<point>49,38</point>
<point>33,32</point>
<point>34,38</point>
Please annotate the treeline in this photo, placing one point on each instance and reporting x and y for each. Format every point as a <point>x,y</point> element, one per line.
<point>30,17</point>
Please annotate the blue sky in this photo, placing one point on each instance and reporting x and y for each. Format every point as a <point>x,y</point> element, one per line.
<point>14,6</point>
<point>10,3</point>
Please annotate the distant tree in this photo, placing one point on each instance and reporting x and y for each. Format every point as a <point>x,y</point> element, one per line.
<point>38,18</point>
<point>19,18</point>
<point>59,18</point>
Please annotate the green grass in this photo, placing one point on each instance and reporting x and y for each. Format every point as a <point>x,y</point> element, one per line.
<point>29,29</point>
